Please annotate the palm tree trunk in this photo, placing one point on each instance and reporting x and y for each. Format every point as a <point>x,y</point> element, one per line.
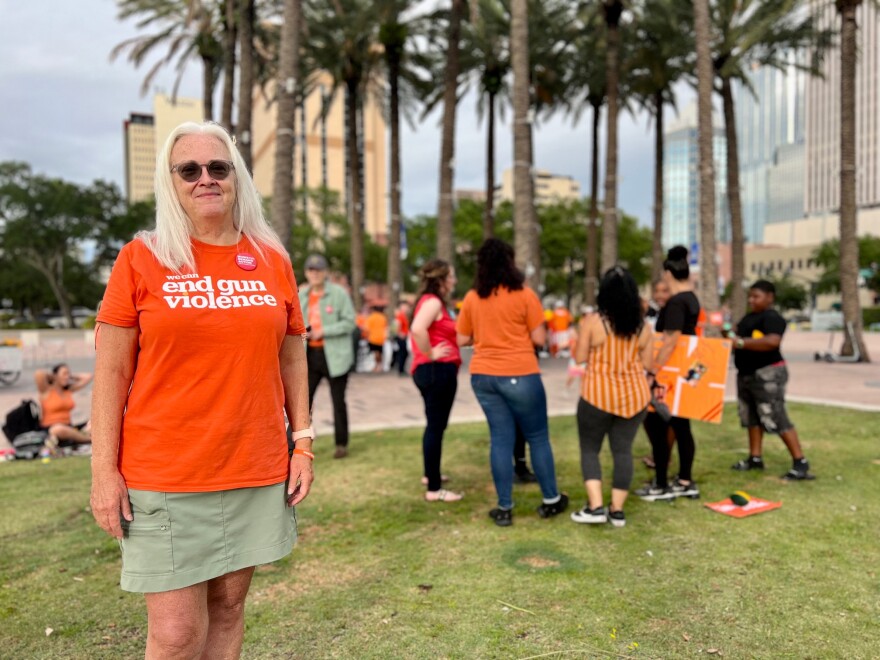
<point>394,269</point>
<point>354,187</point>
<point>489,212</point>
<point>523,202</point>
<point>591,276</point>
<point>285,135</point>
<point>705,131</point>
<point>737,240</point>
<point>246,80</point>
<point>447,144</point>
<point>657,242</point>
<point>229,38</point>
<point>849,246</point>
<point>613,10</point>
<point>535,280</point>
<point>208,80</point>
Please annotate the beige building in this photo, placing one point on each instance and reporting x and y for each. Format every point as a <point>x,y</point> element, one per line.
<point>140,156</point>
<point>323,162</point>
<point>470,194</point>
<point>549,188</point>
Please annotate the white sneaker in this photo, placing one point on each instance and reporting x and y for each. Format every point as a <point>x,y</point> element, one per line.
<point>587,515</point>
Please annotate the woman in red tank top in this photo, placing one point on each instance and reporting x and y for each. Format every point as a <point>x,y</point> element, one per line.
<point>435,363</point>
<point>56,388</point>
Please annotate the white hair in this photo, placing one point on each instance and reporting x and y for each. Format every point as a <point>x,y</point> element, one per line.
<point>170,242</point>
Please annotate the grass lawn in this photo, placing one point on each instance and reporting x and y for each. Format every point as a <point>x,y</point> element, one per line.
<point>378,573</point>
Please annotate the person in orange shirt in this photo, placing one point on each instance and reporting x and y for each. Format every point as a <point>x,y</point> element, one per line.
<point>200,352</point>
<point>559,324</point>
<point>504,321</point>
<point>401,337</point>
<point>617,346</point>
<point>376,327</point>
<point>56,388</point>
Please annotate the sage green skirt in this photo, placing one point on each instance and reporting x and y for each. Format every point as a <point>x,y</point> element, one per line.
<point>177,540</point>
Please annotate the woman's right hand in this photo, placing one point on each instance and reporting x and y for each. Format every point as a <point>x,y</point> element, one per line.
<point>440,351</point>
<point>109,499</point>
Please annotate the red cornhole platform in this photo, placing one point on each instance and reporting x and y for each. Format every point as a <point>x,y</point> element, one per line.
<point>757,505</point>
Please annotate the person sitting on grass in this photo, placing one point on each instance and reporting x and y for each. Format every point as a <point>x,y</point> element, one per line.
<point>56,388</point>
<point>760,382</point>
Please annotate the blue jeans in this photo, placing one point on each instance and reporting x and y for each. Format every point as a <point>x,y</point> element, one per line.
<point>508,402</point>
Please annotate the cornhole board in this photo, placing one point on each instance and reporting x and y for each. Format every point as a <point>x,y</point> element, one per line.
<point>692,381</point>
<point>755,506</point>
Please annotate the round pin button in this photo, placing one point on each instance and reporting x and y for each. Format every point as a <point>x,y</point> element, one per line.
<point>245,261</point>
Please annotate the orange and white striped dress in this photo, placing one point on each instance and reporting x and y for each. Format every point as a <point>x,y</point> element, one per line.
<point>615,378</point>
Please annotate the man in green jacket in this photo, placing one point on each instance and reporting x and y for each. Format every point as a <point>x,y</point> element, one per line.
<point>328,311</point>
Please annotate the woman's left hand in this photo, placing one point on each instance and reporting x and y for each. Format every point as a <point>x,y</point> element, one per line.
<point>301,477</point>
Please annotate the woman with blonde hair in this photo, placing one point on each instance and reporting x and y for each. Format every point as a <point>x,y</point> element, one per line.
<point>435,364</point>
<point>200,352</point>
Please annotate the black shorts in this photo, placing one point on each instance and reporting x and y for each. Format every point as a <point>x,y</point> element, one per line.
<point>375,348</point>
<point>761,399</point>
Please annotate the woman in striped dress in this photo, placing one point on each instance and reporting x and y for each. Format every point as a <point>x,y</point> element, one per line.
<point>617,346</point>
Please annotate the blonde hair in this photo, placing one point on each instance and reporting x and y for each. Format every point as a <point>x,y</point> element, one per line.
<point>170,242</point>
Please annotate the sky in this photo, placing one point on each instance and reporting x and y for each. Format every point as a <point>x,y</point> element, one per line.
<point>64,103</point>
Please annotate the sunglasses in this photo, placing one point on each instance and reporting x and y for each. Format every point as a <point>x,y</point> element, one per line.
<point>191,171</point>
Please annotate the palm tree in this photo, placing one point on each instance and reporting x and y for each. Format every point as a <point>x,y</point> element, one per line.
<point>394,35</point>
<point>230,36</point>
<point>613,9</point>
<point>662,55</point>
<point>755,33</point>
<point>523,193</point>
<point>708,267</point>
<point>342,40</point>
<point>490,30</point>
<point>246,68</point>
<point>187,28</point>
<point>287,94</point>
<point>849,246</point>
<point>447,144</point>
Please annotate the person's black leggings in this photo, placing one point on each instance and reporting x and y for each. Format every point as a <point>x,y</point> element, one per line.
<point>437,383</point>
<point>318,369</point>
<point>593,426</point>
<point>657,431</point>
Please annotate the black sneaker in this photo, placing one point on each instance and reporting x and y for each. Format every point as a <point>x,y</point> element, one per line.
<point>750,463</point>
<point>690,490</point>
<point>799,472</point>
<point>550,510</point>
<point>616,518</point>
<point>502,517</point>
<point>653,493</point>
<point>525,476</point>
<point>587,515</point>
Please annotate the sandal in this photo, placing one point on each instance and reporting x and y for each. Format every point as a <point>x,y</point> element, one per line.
<point>443,480</point>
<point>443,495</point>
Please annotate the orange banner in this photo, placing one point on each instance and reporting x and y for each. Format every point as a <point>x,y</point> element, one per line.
<point>692,382</point>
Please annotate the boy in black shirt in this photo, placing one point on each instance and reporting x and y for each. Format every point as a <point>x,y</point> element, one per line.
<point>761,379</point>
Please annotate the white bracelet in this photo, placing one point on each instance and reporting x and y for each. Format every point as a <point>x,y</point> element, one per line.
<point>305,433</point>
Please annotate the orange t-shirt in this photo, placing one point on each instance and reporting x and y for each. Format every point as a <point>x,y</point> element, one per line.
<point>402,325</point>
<point>500,325</point>
<point>56,407</point>
<point>560,321</point>
<point>206,407</point>
<point>376,327</point>
<point>315,318</point>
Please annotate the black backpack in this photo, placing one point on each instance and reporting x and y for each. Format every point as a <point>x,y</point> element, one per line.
<point>24,418</point>
<point>22,427</point>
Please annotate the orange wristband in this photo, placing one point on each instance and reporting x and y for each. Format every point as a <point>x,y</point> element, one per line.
<point>304,452</point>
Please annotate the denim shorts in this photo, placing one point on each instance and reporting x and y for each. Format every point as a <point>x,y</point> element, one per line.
<point>177,540</point>
<point>761,399</point>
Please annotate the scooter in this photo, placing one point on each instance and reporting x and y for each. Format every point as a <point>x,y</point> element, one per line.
<point>830,356</point>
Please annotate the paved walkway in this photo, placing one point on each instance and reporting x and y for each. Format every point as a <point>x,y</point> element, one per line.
<point>379,401</point>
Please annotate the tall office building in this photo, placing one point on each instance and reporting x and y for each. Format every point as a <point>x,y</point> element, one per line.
<point>681,180</point>
<point>823,116</point>
<point>139,140</point>
<point>770,128</point>
<point>320,126</point>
